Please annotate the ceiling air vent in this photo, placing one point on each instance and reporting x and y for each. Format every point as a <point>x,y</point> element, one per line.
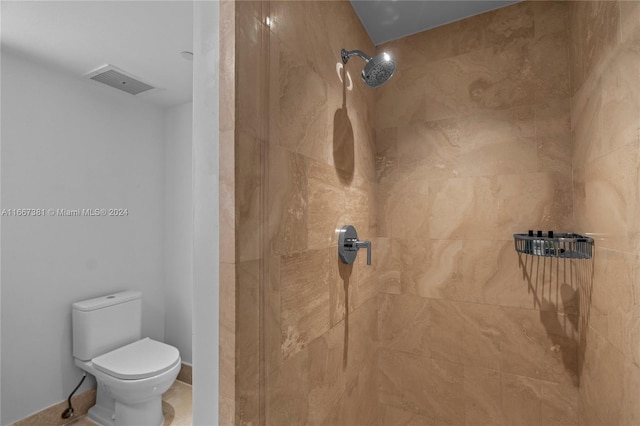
<point>119,79</point>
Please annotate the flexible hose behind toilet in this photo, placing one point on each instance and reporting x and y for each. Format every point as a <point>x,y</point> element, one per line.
<point>69,411</point>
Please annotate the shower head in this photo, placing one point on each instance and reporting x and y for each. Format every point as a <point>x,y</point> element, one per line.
<point>377,71</point>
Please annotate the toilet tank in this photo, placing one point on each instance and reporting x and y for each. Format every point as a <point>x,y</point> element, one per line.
<point>105,323</point>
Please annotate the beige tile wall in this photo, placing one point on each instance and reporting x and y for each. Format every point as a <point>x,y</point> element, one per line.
<point>304,166</point>
<point>469,143</point>
<point>605,123</point>
<point>473,144</point>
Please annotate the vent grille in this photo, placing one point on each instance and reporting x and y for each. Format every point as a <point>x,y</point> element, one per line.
<point>118,79</point>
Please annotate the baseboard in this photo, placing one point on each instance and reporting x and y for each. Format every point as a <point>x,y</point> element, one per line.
<point>186,374</point>
<point>51,416</point>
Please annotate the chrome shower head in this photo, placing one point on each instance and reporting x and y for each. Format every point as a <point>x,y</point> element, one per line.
<point>377,71</point>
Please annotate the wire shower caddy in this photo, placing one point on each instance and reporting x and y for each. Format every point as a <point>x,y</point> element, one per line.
<point>562,245</point>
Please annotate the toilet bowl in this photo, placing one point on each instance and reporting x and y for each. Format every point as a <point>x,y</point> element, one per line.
<point>131,381</point>
<point>132,373</point>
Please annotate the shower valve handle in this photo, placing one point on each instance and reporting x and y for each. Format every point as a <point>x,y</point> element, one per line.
<point>349,244</point>
<point>367,245</point>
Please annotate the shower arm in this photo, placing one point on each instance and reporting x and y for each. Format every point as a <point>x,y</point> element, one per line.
<point>347,54</point>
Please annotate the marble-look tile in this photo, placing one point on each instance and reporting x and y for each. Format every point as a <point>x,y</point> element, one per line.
<point>248,189</point>
<point>553,137</point>
<point>599,32</point>
<point>441,100</point>
<point>390,415</point>
<point>397,102</point>
<point>343,293</point>
<point>358,202</point>
<point>614,111</point>
<point>428,387</point>
<point>509,25</point>
<point>490,208</point>
<point>386,267</point>
<point>494,79</point>
<point>483,335</point>
<point>497,142</point>
<point>616,301</point>
<point>247,365</point>
<point>251,7</point>
<point>386,153</point>
<point>272,327</point>
<point>536,345</point>
<point>447,330</point>
<point>521,400</point>
<point>611,201</point>
<point>364,143</point>
<point>491,274</point>
<point>226,414</point>
<point>550,17</point>
<point>629,18</point>
<point>404,324</point>
<point>306,280</point>
<point>177,405</point>
<point>494,273</point>
<point>288,201</point>
<point>332,24</point>
<point>360,331</point>
<point>428,268</point>
<point>326,375</point>
<point>576,22</point>
<point>359,404</point>
<point>550,66</point>
<point>462,208</point>
<point>287,392</point>
<point>429,150</point>
<point>483,397</point>
<point>367,285</point>
<point>325,208</point>
<point>620,96</point>
<point>83,420</point>
<point>601,386</point>
<point>300,114</point>
<point>251,82</point>
<point>597,296</point>
<point>630,408</point>
<point>547,198</point>
<point>559,403</point>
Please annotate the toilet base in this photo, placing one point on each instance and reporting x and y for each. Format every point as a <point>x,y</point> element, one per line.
<point>142,398</point>
<point>109,412</point>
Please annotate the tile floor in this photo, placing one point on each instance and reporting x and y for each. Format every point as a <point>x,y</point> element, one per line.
<point>176,406</point>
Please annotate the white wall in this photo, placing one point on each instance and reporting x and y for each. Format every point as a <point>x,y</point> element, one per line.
<point>206,190</point>
<point>69,144</point>
<point>178,247</point>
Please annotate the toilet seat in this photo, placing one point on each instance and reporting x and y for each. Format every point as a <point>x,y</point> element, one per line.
<point>138,360</point>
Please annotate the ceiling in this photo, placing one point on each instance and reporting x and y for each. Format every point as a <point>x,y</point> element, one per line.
<point>143,38</point>
<point>387,20</point>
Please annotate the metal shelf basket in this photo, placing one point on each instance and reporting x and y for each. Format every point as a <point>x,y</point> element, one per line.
<point>569,245</point>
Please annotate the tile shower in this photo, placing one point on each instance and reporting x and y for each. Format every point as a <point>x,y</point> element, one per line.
<point>524,117</point>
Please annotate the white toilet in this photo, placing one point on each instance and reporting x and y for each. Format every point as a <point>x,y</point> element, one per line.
<point>132,373</point>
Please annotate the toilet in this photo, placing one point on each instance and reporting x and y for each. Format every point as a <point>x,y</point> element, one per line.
<point>132,373</point>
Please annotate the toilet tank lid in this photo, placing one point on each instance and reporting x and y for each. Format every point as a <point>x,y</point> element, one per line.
<point>138,360</point>
<point>108,300</point>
